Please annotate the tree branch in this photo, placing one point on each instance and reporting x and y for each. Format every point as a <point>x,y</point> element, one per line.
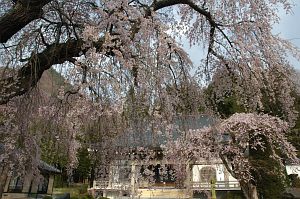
<point>28,76</point>
<point>157,5</point>
<point>226,164</point>
<point>24,12</point>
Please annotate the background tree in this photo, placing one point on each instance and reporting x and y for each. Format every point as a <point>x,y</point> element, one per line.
<point>82,171</point>
<point>117,35</point>
<point>265,169</point>
<point>234,140</point>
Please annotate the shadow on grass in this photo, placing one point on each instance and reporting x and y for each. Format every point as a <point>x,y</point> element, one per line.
<point>76,191</point>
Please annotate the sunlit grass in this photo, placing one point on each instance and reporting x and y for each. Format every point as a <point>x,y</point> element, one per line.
<point>74,190</point>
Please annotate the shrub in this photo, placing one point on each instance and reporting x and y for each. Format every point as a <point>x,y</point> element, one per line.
<point>294,180</point>
<point>233,195</point>
<point>83,189</point>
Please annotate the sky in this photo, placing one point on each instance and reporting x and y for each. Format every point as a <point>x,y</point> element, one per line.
<point>288,28</point>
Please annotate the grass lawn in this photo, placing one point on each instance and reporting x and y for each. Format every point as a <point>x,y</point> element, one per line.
<point>75,190</point>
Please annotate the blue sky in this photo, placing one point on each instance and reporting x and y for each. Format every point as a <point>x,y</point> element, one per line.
<point>288,28</point>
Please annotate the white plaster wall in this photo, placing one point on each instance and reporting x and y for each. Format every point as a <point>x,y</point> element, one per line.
<point>293,169</point>
<point>219,172</point>
<point>197,168</point>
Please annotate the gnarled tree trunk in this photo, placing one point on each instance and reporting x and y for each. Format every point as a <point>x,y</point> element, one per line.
<point>249,190</point>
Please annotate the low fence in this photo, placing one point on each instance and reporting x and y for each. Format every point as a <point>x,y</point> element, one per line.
<point>219,185</point>
<point>107,185</point>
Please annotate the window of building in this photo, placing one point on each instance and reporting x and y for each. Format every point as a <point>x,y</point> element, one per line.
<point>159,174</point>
<point>15,184</point>
<point>124,175</point>
<point>207,174</point>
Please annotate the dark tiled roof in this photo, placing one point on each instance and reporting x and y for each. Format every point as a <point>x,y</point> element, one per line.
<point>293,193</point>
<point>43,166</point>
<point>145,136</point>
<point>48,168</point>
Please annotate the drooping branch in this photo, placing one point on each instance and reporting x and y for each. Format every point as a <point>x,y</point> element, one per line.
<point>29,10</point>
<point>24,12</point>
<point>157,5</point>
<point>226,164</point>
<point>28,76</point>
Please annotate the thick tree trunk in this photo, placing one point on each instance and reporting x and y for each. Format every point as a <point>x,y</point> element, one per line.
<point>91,180</point>
<point>249,190</point>
<point>24,12</point>
<point>28,76</point>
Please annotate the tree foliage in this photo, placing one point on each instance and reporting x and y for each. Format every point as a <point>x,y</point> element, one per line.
<point>123,62</point>
<point>242,142</point>
<point>82,171</point>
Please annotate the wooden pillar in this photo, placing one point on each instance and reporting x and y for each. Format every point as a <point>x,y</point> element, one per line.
<point>133,179</point>
<point>104,193</point>
<point>26,183</point>
<point>35,185</point>
<point>110,176</point>
<point>226,177</point>
<point>4,179</point>
<point>7,183</point>
<point>50,184</point>
<point>188,181</point>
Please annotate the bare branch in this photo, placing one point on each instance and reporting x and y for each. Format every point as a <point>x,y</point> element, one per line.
<point>24,12</point>
<point>28,76</point>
